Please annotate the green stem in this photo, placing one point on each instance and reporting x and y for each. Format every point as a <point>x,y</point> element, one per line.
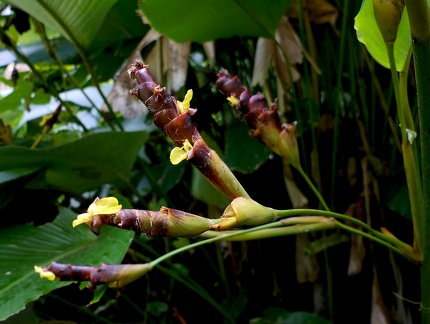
<point>40,28</point>
<point>10,45</point>
<point>311,185</point>
<point>214,239</point>
<point>309,96</point>
<point>38,140</point>
<point>419,21</point>
<point>190,284</point>
<point>410,124</point>
<point>302,226</point>
<point>374,235</point>
<point>298,226</point>
<point>411,167</point>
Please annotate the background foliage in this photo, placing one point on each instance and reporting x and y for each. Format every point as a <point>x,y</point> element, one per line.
<point>340,97</point>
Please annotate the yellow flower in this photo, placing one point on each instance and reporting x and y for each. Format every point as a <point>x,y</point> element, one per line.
<point>183,106</point>
<point>104,206</point>
<point>180,153</point>
<point>233,100</point>
<point>44,274</point>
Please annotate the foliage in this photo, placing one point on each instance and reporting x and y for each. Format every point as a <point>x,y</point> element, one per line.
<point>66,138</point>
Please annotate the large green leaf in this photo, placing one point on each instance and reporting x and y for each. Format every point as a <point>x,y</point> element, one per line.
<point>23,247</point>
<point>200,21</point>
<point>243,153</point>
<point>81,165</point>
<point>122,23</point>
<point>368,33</point>
<point>77,20</point>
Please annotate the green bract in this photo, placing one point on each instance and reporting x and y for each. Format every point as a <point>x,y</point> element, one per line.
<point>368,33</point>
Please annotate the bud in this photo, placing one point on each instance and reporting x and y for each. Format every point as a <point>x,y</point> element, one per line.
<point>268,129</point>
<point>127,273</point>
<point>388,14</point>
<point>116,275</point>
<point>287,145</point>
<point>182,224</point>
<point>246,212</point>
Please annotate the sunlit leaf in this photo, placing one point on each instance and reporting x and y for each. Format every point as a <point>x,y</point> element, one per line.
<point>368,33</point>
<point>75,20</point>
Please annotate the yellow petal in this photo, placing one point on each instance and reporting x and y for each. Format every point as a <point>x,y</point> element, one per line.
<point>177,155</point>
<point>233,100</point>
<point>44,274</point>
<point>82,218</point>
<point>47,275</point>
<point>104,206</point>
<point>187,146</point>
<point>183,106</point>
<point>188,97</point>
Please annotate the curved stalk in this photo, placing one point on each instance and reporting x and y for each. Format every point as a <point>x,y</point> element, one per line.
<point>375,235</point>
<point>40,29</point>
<point>313,188</point>
<point>214,239</point>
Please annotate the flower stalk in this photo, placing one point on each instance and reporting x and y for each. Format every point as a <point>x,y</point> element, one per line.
<point>411,166</point>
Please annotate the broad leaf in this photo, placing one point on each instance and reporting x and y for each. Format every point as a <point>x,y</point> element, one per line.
<point>398,200</point>
<point>76,20</point>
<point>81,165</point>
<point>243,153</point>
<point>122,23</point>
<point>16,173</point>
<point>200,21</point>
<point>368,33</point>
<point>23,247</point>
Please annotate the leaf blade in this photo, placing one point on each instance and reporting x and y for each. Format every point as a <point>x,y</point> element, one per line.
<point>83,164</point>
<point>22,247</point>
<point>206,20</point>
<point>79,20</point>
